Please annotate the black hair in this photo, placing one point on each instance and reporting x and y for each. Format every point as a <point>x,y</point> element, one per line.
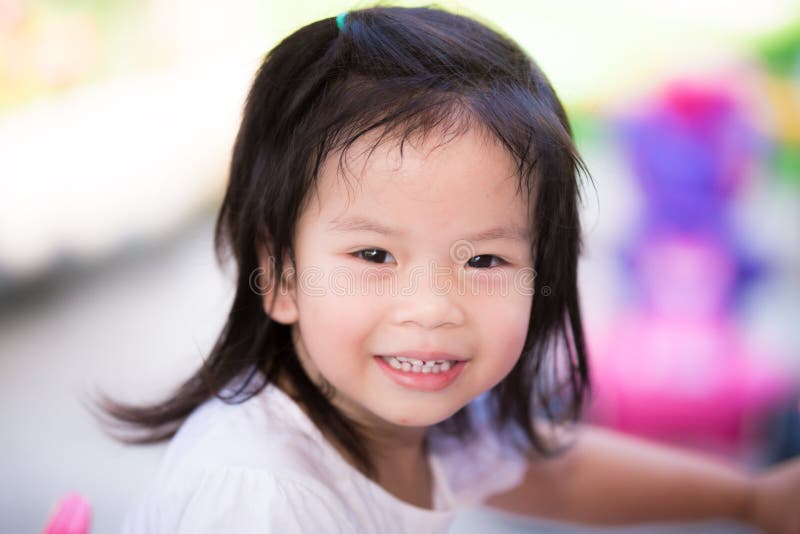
<point>400,72</point>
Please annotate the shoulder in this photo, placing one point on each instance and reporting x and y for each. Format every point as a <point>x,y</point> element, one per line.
<point>482,464</point>
<point>266,432</point>
<point>247,467</point>
<point>494,460</point>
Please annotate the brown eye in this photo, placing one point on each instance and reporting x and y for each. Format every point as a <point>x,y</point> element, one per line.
<point>485,261</point>
<point>374,255</point>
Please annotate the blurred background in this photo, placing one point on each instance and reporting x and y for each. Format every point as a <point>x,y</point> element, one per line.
<point>116,123</point>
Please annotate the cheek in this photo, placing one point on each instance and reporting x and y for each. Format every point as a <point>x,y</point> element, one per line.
<point>505,327</point>
<point>334,330</point>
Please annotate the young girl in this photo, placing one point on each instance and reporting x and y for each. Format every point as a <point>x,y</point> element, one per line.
<point>402,210</point>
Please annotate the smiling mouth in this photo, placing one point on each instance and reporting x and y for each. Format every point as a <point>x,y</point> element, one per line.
<point>414,365</point>
<point>420,375</point>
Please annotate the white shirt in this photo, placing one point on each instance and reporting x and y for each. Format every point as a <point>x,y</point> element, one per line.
<point>263,466</point>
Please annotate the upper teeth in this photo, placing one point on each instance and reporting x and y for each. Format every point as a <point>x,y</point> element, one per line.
<point>418,366</point>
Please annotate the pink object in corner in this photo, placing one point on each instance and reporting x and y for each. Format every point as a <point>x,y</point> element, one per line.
<point>72,516</point>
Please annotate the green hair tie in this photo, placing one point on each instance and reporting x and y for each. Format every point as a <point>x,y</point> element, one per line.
<point>340,20</point>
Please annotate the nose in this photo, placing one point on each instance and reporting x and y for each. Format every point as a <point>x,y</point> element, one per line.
<point>428,302</point>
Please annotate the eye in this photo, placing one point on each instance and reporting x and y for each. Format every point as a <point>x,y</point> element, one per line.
<point>485,261</point>
<point>374,255</point>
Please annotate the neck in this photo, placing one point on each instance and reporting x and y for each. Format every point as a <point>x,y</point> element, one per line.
<point>399,456</point>
<point>382,439</point>
<point>398,453</point>
<point>405,473</point>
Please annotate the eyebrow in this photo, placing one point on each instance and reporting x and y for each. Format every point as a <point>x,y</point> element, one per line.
<point>362,224</point>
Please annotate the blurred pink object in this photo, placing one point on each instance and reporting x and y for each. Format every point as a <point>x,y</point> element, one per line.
<point>72,516</point>
<point>675,365</point>
<point>686,381</point>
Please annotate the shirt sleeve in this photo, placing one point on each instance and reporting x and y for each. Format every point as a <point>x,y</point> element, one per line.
<point>481,469</point>
<point>242,500</point>
<point>487,465</point>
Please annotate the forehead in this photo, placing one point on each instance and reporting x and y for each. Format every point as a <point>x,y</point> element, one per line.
<point>440,182</point>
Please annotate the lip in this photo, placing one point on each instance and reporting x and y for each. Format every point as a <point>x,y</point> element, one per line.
<point>422,381</point>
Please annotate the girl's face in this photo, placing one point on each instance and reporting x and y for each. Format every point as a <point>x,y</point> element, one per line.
<point>425,255</point>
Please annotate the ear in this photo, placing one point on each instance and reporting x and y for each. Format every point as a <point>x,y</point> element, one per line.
<point>278,294</point>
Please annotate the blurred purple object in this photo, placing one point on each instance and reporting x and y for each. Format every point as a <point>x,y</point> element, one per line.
<point>690,152</point>
<point>674,365</point>
<point>710,269</point>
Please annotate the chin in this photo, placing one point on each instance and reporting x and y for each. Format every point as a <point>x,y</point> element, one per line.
<point>418,418</point>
